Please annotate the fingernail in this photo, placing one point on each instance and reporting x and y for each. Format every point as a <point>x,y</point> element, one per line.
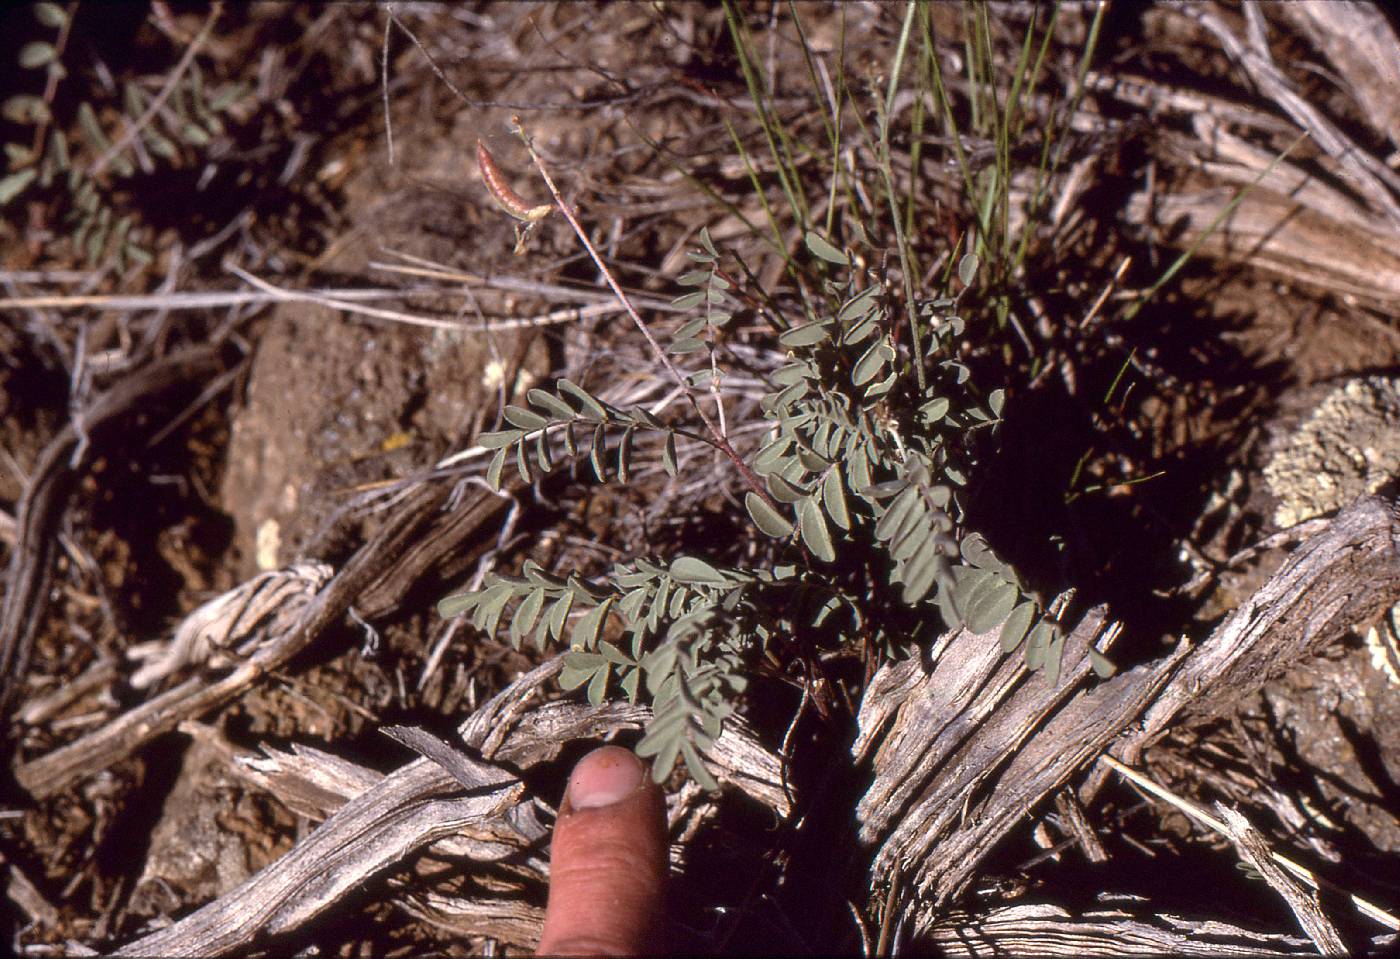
<point>603,777</point>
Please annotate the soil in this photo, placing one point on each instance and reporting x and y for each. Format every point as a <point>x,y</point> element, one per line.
<point>325,407</point>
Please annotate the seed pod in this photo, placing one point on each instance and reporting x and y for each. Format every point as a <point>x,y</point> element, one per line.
<point>500,190</point>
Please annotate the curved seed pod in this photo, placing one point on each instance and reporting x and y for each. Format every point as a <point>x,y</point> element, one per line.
<point>500,190</point>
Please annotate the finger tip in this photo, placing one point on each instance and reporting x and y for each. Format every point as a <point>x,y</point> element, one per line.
<point>605,776</point>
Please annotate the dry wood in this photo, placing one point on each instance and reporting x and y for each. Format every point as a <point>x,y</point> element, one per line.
<point>956,766</point>
<point>1342,578</point>
<point>1376,184</point>
<point>1334,222</point>
<point>1200,815</point>
<point>372,828</point>
<point>417,535</point>
<point>1359,42</point>
<point>1303,903</point>
<point>1046,930</point>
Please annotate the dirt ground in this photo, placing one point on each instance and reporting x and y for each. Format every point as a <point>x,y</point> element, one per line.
<point>1130,466</point>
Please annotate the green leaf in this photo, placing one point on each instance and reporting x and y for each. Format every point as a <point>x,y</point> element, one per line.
<point>696,766</point>
<point>921,574</point>
<point>694,571</point>
<point>624,455</point>
<point>1014,629</point>
<point>814,530</point>
<point>50,15</point>
<point>457,605</point>
<point>522,463</point>
<point>869,364</point>
<point>1038,643</point>
<point>792,373</point>
<point>1053,656</point>
<point>1102,665</point>
<point>782,490</point>
<point>893,519</point>
<point>693,278</point>
<point>834,499</point>
<point>641,416</point>
<point>585,634</point>
<point>687,301</point>
<point>859,305</point>
<point>822,248</point>
<point>579,667</point>
<point>525,419</point>
<point>975,550</point>
<point>493,603</point>
<point>772,454</point>
<point>58,149</point>
<point>917,535</point>
<point>668,455</point>
<point>934,410</point>
<point>707,243</point>
<point>15,184</point>
<point>542,458</point>
<point>498,463</point>
<point>662,744</point>
<point>658,604</point>
<point>678,600</point>
<point>36,54</point>
<point>87,118</point>
<point>499,440</point>
<point>591,408</point>
<point>881,388</point>
<point>806,335</point>
<point>558,614</point>
<point>526,616</point>
<point>595,454</point>
<point>765,517</point>
<point>862,331</point>
<point>551,404</point>
<point>688,330</point>
<point>225,95</point>
<point>681,347</point>
<point>598,686</point>
<point>858,470</point>
<point>996,401</point>
<point>967,269</point>
<point>991,605</point>
<point>631,605</point>
<point>18,155</point>
<point>194,135</point>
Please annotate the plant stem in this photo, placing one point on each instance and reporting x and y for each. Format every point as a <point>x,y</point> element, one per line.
<point>721,442</point>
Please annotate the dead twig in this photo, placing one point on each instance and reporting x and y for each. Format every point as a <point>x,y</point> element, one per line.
<point>1363,906</point>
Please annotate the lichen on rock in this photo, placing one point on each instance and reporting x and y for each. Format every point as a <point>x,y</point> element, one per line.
<point>1348,447</point>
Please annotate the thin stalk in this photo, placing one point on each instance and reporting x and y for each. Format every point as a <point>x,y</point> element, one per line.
<point>756,90</point>
<point>832,126</point>
<point>916,136</point>
<point>717,436</point>
<point>950,122</point>
<point>906,263</point>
